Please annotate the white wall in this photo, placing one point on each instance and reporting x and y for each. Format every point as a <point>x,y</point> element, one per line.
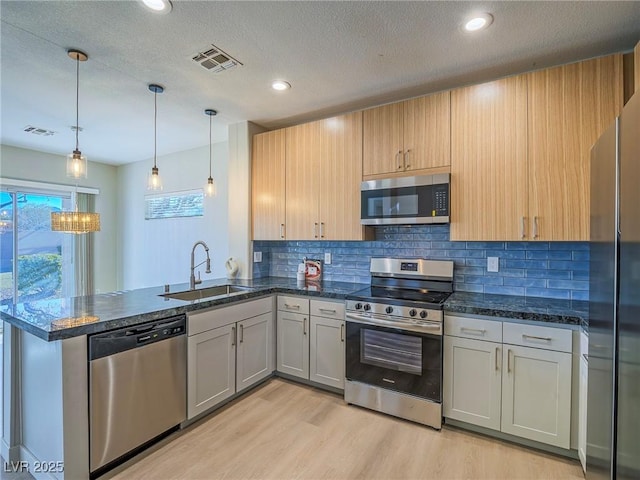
<point>24,164</point>
<point>155,252</point>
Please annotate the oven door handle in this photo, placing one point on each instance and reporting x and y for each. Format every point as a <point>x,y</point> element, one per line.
<point>434,328</point>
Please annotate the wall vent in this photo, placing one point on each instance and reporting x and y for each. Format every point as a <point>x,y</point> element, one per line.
<point>43,132</point>
<point>215,60</point>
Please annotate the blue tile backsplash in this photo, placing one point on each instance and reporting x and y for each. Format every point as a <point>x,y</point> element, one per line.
<point>533,269</point>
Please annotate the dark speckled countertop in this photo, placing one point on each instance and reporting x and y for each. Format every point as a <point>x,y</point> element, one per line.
<point>568,312</point>
<point>131,307</point>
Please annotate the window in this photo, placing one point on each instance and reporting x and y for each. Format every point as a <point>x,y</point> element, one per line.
<point>35,263</point>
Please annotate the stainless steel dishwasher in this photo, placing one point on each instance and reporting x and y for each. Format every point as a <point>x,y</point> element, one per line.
<point>137,387</point>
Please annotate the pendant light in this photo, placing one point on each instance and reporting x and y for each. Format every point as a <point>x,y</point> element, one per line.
<point>210,189</point>
<point>76,162</point>
<point>154,182</point>
<point>75,221</point>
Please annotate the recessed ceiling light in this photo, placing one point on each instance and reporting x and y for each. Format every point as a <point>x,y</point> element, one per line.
<point>479,22</point>
<point>280,85</point>
<point>158,6</point>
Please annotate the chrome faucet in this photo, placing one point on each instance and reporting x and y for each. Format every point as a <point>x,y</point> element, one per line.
<point>192,280</point>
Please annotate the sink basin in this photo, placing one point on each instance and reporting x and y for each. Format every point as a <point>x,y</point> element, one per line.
<point>217,291</point>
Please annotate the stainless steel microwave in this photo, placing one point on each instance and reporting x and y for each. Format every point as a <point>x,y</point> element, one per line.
<point>405,200</point>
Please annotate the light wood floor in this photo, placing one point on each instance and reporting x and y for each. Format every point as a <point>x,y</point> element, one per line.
<point>283,430</point>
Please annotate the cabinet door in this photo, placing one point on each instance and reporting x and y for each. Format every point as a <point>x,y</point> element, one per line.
<point>340,174</point>
<point>427,132</point>
<point>254,350</point>
<point>569,107</point>
<point>382,140</point>
<point>293,344</point>
<point>488,160</point>
<point>268,185</point>
<point>327,360</point>
<point>582,414</point>
<point>472,381</point>
<point>302,181</point>
<point>536,394</point>
<point>211,362</point>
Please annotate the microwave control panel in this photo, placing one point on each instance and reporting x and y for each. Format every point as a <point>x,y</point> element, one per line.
<point>440,195</point>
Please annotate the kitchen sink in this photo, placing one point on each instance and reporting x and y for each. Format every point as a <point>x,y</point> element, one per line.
<point>209,292</point>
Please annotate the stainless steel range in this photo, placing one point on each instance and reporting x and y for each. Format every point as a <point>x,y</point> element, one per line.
<point>394,339</point>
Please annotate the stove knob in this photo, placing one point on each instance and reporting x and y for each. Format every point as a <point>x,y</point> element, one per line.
<point>389,309</point>
<point>412,312</point>
<point>358,306</point>
<point>423,314</point>
<point>367,307</point>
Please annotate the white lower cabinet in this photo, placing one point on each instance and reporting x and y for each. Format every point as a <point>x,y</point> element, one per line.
<point>327,351</point>
<point>472,381</point>
<point>229,349</point>
<point>582,412</point>
<point>311,340</point>
<point>507,386</point>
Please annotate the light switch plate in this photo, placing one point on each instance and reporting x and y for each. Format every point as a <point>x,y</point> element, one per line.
<point>257,257</point>
<point>492,264</point>
<point>327,258</point>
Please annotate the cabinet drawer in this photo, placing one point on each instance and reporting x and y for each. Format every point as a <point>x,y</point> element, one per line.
<point>473,328</point>
<point>293,304</point>
<point>321,308</point>
<point>534,336</point>
<point>202,321</point>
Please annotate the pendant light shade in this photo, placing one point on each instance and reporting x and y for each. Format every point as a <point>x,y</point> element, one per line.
<point>76,162</point>
<point>76,222</point>
<point>154,182</point>
<point>210,188</point>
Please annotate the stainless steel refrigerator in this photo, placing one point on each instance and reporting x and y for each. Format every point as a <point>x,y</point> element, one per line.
<point>613,403</point>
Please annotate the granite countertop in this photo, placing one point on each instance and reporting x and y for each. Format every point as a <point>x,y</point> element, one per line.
<point>99,313</point>
<point>568,312</point>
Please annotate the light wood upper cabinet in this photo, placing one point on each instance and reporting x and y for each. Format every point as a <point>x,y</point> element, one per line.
<point>268,185</point>
<point>303,181</point>
<point>408,136</point>
<point>636,67</point>
<point>488,160</point>
<point>324,171</point>
<point>569,107</point>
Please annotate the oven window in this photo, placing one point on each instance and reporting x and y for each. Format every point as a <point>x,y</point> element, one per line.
<point>393,206</point>
<point>391,350</point>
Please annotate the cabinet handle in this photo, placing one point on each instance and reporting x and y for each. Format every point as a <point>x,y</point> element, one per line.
<point>509,361</point>
<point>282,230</point>
<point>233,336</point>
<point>342,332</point>
<point>321,229</point>
<point>535,227</point>
<point>533,337</point>
<point>406,159</point>
<point>241,333</point>
<point>304,326</point>
<point>328,310</point>
<point>398,160</point>
<point>522,227</point>
<point>295,307</point>
<point>473,330</point>
<point>497,351</point>
<point>315,230</point>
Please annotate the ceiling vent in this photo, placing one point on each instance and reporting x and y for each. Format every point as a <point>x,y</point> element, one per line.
<point>215,59</point>
<point>43,132</point>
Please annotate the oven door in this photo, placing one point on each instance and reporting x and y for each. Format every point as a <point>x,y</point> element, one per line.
<point>395,359</point>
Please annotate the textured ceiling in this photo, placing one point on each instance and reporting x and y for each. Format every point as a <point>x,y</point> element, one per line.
<point>338,56</point>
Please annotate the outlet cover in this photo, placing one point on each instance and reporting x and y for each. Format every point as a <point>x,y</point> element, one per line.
<point>492,264</point>
<point>327,258</point>
<point>257,257</point>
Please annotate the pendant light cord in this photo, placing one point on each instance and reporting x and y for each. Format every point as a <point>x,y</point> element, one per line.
<point>210,119</point>
<point>77,96</point>
<point>155,126</point>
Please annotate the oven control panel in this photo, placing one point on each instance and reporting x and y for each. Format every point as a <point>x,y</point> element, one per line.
<point>391,311</point>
